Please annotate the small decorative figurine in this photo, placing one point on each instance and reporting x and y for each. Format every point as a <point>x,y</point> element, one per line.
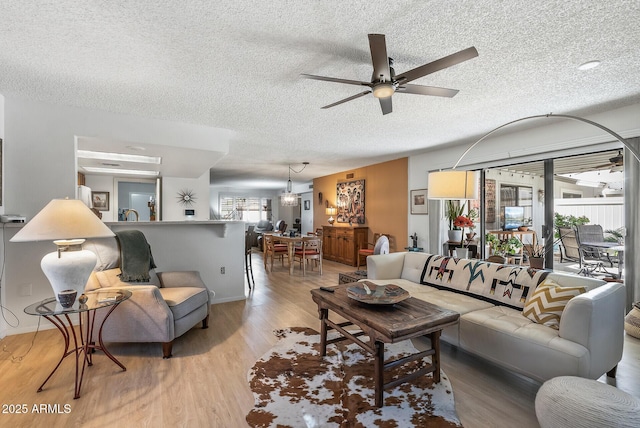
<point>414,238</point>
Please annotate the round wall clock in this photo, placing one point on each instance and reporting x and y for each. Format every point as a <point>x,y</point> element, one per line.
<point>186,197</point>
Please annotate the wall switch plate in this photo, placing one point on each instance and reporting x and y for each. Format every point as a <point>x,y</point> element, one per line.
<point>222,270</point>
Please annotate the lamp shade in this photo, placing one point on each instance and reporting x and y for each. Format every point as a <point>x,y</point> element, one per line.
<point>66,222</point>
<point>331,211</point>
<point>63,219</point>
<point>454,185</point>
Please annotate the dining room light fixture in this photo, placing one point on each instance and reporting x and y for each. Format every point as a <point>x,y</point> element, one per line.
<point>288,198</point>
<point>66,222</point>
<point>455,184</point>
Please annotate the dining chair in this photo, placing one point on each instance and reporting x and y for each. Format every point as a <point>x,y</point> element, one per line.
<point>311,249</point>
<point>272,250</point>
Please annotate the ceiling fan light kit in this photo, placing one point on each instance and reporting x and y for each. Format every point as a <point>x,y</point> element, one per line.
<point>383,90</point>
<point>384,82</point>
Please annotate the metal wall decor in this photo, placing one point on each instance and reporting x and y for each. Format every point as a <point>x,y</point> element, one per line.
<point>186,197</point>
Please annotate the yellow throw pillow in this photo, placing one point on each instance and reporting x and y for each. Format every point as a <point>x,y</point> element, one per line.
<point>547,302</point>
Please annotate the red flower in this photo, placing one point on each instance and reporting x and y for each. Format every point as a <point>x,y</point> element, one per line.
<point>462,221</point>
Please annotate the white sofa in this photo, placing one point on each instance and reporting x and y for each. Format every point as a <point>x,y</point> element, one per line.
<point>588,342</point>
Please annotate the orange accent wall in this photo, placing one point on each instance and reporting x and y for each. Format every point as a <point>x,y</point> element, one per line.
<point>386,199</point>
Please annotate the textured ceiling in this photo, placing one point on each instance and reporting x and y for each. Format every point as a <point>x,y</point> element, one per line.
<point>236,65</point>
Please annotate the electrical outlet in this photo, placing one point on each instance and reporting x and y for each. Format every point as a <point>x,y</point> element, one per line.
<point>222,270</point>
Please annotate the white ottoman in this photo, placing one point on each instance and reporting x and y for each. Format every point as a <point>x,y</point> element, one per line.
<point>569,401</point>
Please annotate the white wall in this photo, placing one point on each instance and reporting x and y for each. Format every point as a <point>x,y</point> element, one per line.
<point>2,322</point>
<point>172,210</point>
<point>2,137</point>
<point>306,218</point>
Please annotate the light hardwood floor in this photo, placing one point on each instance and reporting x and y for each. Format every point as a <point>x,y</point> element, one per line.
<point>204,384</point>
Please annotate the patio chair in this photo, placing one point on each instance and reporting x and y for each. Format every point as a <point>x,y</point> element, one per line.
<point>592,255</point>
<point>568,244</point>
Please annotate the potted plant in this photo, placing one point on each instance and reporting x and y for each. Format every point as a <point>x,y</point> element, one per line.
<point>536,258</point>
<point>508,246</point>
<point>452,212</point>
<point>492,241</point>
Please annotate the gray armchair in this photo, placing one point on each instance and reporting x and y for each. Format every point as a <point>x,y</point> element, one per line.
<point>261,227</point>
<point>165,307</point>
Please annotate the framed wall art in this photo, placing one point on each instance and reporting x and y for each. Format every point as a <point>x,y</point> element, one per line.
<point>419,202</point>
<point>100,200</point>
<point>350,202</point>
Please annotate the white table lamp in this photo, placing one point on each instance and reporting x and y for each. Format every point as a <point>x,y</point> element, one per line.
<point>66,222</point>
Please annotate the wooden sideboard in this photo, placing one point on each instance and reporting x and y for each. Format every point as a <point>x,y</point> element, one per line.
<point>341,244</point>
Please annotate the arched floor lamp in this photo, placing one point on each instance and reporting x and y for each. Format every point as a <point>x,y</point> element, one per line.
<point>461,184</point>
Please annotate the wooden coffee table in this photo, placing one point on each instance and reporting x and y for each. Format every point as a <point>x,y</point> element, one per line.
<point>384,324</point>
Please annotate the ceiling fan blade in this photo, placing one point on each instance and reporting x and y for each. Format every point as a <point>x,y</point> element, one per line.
<point>379,57</point>
<point>437,65</point>
<point>385,104</point>
<point>336,80</point>
<point>362,94</point>
<point>427,90</point>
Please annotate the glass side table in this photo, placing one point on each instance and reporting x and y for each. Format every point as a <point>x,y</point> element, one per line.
<point>83,341</point>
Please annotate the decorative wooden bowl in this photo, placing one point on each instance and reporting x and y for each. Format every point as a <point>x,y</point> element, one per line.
<point>368,292</point>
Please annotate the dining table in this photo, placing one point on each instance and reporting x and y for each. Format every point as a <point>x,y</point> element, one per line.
<point>291,242</point>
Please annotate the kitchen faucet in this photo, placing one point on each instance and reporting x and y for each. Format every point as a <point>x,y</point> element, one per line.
<point>126,214</point>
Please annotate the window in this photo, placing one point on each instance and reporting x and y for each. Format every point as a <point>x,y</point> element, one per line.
<point>248,209</point>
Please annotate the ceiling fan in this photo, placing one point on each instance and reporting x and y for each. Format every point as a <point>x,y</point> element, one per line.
<point>384,82</point>
<point>615,163</point>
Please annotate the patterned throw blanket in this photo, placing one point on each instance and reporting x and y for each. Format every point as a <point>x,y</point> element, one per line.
<point>135,256</point>
<point>505,285</point>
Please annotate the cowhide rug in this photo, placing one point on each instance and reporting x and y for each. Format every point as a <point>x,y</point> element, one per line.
<point>294,387</point>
